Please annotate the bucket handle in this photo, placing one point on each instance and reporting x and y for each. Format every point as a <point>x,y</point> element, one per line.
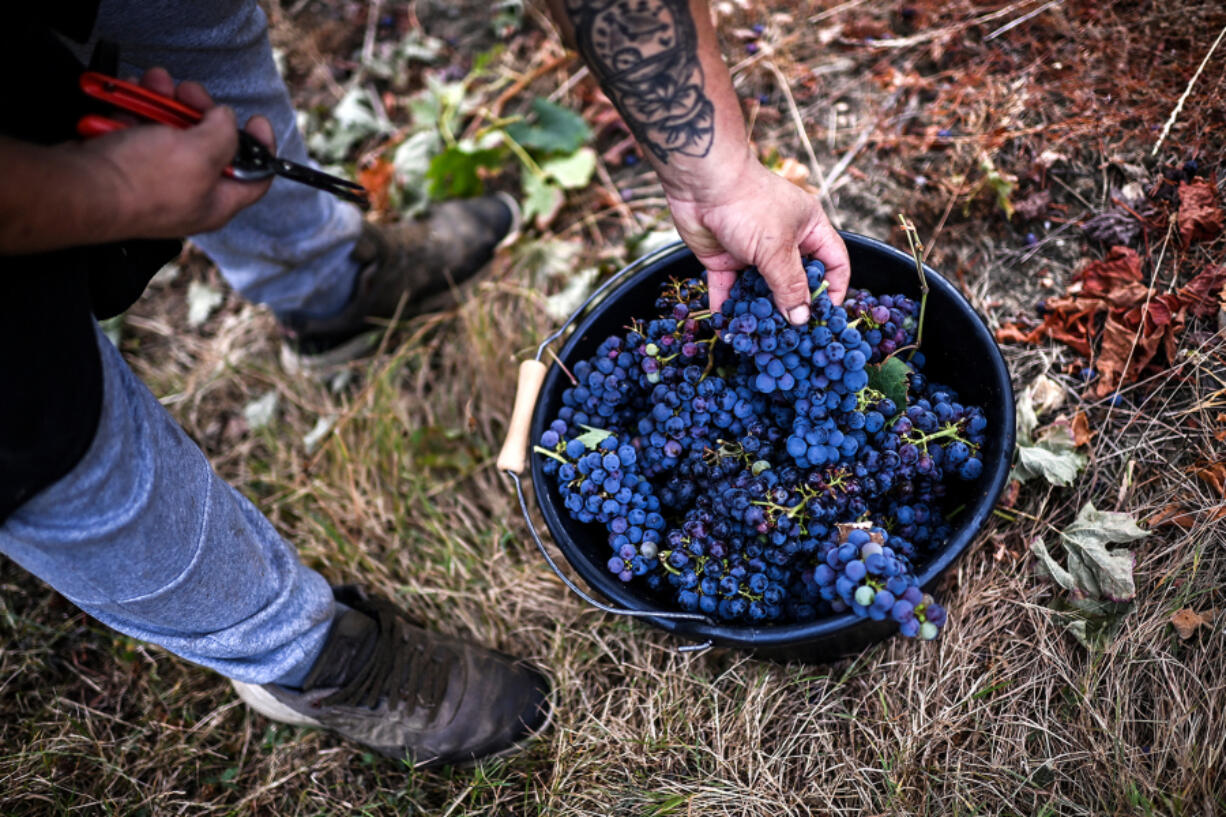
<point>513,458</point>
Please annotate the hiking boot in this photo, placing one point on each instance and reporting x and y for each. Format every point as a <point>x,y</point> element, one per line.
<point>419,261</point>
<point>408,693</point>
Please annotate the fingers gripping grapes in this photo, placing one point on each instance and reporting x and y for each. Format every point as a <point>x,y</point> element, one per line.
<point>763,221</point>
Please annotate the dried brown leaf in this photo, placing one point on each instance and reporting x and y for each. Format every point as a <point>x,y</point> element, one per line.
<point>1114,356</point>
<point>1203,293</point>
<point>1081,429</point>
<point>1132,339</point>
<point>1200,215</point>
<point>1012,333</point>
<point>1071,321</point>
<point>1121,268</point>
<point>1187,621</point>
<point>1173,514</point>
<point>1214,475</point>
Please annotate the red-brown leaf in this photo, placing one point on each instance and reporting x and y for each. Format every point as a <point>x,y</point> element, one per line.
<point>1204,292</point>
<point>1012,333</point>
<point>1116,354</point>
<point>1200,215</point>
<point>1072,321</point>
<point>1172,514</point>
<point>1120,268</point>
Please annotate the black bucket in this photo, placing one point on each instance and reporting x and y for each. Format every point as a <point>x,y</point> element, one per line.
<point>960,352</point>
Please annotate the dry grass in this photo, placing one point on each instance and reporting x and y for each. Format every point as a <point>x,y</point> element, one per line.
<point>1004,714</point>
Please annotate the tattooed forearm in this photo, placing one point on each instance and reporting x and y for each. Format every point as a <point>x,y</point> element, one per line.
<point>645,54</point>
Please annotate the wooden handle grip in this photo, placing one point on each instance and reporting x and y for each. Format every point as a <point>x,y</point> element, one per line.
<point>514,454</point>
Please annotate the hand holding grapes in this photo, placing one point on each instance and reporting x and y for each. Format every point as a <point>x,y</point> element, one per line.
<point>756,218</point>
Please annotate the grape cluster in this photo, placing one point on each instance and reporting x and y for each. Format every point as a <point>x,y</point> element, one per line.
<point>888,322</point>
<point>759,472</point>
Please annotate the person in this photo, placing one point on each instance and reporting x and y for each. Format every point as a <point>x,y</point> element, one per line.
<point>102,494</point>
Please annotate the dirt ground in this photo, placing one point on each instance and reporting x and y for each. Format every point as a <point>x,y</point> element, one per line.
<point>1002,130</point>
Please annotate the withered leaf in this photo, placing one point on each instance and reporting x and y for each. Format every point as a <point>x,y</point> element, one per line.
<point>1116,226</point>
<point>1051,456</point>
<point>1071,321</point>
<point>1121,267</point>
<point>1109,306</point>
<point>1013,333</point>
<point>1200,215</point>
<point>1098,570</point>
<point>1172,514</point>
<point>1081,429</point>
<point>1203,293</point>
<point>1093,622</point>
<point>1187,621</point>
<point>1046,394</point>
<point>1214,475</point>
<point>1133,338</point>
<point>1114,356</point>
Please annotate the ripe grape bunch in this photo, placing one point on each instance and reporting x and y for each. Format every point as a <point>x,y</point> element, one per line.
<point>757,472</point>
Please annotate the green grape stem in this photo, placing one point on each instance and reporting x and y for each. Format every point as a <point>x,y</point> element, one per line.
<point>538,449</point>
<point>663,557</point>
<point>866,396</point>
<point>822,287</point>
<point>806,493</point>
<point>947,431</point>
<point>917,252</point>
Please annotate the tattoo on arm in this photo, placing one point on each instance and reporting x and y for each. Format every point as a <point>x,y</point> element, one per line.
<point>645,54</point>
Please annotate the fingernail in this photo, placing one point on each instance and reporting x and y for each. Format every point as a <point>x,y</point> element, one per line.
<point>799,315</point>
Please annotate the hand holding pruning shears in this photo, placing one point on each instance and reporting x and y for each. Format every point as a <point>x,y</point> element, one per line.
<point>250,155</point>
<point>169,182</point>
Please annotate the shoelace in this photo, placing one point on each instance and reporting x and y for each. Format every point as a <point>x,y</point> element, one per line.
<point>401,666</point>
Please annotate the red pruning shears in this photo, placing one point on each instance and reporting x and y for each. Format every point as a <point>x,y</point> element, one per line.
<point>252,162</point>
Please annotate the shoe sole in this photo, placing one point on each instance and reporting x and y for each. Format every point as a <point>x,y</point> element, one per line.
<point>263,702</point>
<point>331,361</point>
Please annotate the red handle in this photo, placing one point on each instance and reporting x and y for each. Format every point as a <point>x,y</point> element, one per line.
<point>94,125</point>
<point>138,100</point>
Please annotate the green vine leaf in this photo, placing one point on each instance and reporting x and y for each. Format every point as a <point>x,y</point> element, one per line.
<point>554,130</point>
<point>890,378</point>
<point>453,173</point>
<point>593,437</point>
